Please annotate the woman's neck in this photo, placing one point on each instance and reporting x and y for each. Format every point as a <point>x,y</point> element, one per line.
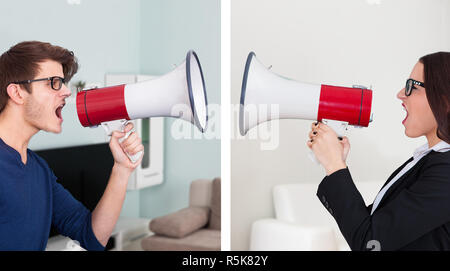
<point>432,138</point>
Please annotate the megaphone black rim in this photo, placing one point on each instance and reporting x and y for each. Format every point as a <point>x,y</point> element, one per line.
<point>243,89</point>
<point>191,95</point>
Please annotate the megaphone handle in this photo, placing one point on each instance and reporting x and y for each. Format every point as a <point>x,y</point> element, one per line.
<point>133,158</point>
<point>115,125</point>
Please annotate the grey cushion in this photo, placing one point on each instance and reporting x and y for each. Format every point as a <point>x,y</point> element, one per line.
<point>214,222</point>
<point>180,223</point>
<point>200,192</point>
<point>201,240</point>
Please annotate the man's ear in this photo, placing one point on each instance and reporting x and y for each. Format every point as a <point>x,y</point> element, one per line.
<point>15,93</point>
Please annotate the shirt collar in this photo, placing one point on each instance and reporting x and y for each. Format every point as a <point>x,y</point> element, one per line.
<point>441,146</point>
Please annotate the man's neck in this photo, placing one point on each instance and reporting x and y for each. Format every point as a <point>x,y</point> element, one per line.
<point>16,132</point>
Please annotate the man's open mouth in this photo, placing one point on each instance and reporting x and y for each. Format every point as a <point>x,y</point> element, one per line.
<point>58,111</point>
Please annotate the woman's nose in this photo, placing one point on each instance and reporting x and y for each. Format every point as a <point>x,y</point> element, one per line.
<point>401,94</point>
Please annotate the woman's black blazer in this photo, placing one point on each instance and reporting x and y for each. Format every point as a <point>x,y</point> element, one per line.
<point>414,214</point>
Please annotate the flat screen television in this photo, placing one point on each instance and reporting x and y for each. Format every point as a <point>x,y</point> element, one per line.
<point>84,171</point>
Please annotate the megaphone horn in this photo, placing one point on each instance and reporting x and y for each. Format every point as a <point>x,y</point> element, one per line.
<point>298,100</point>
<point>160,97</point>
<point>184,85</point>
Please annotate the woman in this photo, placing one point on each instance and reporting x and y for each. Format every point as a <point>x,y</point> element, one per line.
<point>412,210</point>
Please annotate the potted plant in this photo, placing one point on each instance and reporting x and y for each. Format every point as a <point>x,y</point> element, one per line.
<point>79,85</point>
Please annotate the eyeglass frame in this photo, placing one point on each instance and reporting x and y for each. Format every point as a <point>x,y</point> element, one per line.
<point>63,81</point>
<point>408,91</point>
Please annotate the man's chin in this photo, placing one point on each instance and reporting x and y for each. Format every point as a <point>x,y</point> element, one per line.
<point>55,130</point>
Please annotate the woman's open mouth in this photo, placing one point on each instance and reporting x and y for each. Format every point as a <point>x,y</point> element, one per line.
<point>404,108</point>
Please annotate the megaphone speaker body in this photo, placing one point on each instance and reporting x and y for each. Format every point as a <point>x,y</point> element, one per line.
<point>153,98</point>
<point>298,100</point>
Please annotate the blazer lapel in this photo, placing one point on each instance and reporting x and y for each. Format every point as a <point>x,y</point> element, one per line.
<point>396,172</point>
<point>398,182</point>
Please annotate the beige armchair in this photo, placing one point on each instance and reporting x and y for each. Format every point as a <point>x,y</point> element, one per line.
<point>194,228</point>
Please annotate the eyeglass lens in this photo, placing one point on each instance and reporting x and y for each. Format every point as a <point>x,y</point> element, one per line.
<point>57,83</point>
<point>408,87</point>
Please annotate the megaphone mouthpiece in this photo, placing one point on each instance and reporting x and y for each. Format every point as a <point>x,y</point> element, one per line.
<point>105,104</point>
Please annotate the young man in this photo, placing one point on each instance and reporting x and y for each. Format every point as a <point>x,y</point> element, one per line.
<point>32,94</point>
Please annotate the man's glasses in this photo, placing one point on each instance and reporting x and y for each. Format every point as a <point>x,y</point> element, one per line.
<point>410,85</point>
<point>55,81</point>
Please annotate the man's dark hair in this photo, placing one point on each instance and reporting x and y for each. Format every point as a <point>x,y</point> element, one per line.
<point>21,62</point>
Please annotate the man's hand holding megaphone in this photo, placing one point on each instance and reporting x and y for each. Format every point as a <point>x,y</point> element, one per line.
<point>329,149</point>
<point>131,146</point>
<point>112,107</point>
<point>180,94</point>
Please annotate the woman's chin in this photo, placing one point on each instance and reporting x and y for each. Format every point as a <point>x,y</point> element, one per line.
<point>411,133</point>
<point>407,131</point>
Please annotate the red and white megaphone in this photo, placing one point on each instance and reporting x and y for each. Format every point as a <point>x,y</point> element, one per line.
<point>336,106</point>
<point>180,93</point>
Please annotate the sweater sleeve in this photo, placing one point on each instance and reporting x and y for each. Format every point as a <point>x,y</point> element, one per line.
<point>416,210</point>
<point>72,219</point>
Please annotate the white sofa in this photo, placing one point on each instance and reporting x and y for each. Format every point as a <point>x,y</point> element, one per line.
<point>301,221</point>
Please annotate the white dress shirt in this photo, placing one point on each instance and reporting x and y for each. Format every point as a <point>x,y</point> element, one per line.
<point>420,152</point>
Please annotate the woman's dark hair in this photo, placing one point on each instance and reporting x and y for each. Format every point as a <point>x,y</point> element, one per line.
<point>437,88</point>
<point>21,62</point>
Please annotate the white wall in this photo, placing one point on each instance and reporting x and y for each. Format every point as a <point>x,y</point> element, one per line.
<point>335,42</point>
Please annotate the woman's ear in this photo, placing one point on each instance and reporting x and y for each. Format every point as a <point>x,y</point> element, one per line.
<point>15,93</point>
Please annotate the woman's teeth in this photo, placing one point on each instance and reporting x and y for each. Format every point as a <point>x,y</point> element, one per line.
<point>404,108</point>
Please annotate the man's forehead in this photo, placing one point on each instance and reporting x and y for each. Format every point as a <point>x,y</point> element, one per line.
<point>49,68</point>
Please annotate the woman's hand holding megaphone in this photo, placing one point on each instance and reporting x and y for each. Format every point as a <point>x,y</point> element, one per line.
<point>131,145</point>
<point>329,150</point>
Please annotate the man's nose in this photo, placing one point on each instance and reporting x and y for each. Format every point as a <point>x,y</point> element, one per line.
<point>65,91</point>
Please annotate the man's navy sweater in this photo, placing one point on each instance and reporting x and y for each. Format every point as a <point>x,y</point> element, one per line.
<point>31,201</point>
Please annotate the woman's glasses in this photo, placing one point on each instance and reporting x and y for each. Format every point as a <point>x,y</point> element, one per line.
<point>55,81</point>
<point>410,85</point>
